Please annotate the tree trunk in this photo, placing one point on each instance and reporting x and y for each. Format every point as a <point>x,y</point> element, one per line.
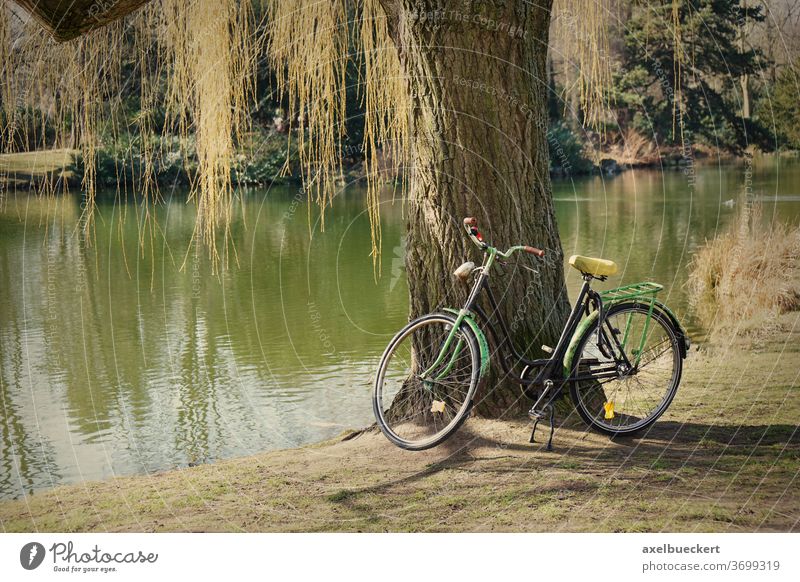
<point>477,75</point>
<point>744,80</point>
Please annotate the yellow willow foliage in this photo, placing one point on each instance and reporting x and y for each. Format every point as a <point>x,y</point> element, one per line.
<point>62,82</point>
<point>309,50</point>
<point>308,44</point>
<point>213,54</point>
<point>583,27</point>
<point>386,105</point>
<point>208,49</point>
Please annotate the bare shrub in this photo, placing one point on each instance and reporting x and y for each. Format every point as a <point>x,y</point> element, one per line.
<point>748,275</point>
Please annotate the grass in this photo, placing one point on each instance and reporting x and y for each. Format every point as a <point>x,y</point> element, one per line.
<point>742,280</point>
<point>38,164</point>
<point>725,457</point>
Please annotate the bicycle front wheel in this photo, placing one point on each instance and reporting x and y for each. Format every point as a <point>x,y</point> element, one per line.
<point>426,381</point>
<point>617,395</point>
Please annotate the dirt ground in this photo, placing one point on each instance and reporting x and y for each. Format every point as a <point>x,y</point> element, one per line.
<point>725,457</point>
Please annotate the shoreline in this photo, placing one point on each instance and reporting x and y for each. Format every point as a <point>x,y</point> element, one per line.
<point>702,467</point>
<point>29,171</point>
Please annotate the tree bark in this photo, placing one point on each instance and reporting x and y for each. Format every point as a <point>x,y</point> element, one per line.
<point>68,20</point>
<point>477,75</point>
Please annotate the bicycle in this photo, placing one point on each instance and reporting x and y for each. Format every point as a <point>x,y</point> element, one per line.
<point>621,353</point>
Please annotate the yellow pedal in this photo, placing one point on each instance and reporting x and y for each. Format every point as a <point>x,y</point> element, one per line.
<point>437,406</point>
<point>609,406</point>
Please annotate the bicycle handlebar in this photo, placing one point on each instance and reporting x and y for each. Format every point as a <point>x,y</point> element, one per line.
<point>471,225</point>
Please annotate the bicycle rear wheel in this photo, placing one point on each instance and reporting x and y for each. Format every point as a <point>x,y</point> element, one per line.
<point>418,410</point>
<point>626,401</point>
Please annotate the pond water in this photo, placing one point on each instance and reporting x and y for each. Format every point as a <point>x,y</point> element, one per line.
<point>115,360</point>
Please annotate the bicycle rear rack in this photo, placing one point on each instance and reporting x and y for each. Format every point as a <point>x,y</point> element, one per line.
<point>636,291</point>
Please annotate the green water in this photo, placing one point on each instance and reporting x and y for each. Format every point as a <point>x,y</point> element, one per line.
<point>114,360</point>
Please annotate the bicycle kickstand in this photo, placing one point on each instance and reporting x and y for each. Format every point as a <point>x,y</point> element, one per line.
<point>533,432</point>
<point>551,410</point>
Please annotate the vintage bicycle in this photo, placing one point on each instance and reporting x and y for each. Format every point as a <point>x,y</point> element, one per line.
<point>620,354</point>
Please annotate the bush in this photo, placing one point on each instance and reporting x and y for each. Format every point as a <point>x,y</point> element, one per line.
<point>785,106</point>
<point>261,159</point>
<point>566,151</point>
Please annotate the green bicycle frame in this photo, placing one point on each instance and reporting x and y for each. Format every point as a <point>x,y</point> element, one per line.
<point>564,353</point>
<point>464,315</point>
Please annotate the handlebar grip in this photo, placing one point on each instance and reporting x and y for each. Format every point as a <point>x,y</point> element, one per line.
<point>534,251</point>
<point>470,221</point>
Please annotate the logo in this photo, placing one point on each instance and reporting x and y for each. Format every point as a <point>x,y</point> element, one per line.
<point>398,263</point>
<point>31,555</point>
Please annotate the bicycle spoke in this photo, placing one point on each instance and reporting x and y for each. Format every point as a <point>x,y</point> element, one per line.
<point>634,398</point>
<point>419,401</point>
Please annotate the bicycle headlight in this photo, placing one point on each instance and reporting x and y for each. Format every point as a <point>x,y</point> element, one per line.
<point>464,271</point>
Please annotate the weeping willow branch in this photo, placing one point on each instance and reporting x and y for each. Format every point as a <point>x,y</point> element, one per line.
<point>583,28</point>
<point>308,47</point>
<point>308,44</point>
<point>211,46</point>
<point>386,104</point>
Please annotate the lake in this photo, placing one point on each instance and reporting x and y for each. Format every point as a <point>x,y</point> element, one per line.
<point>131,355</point>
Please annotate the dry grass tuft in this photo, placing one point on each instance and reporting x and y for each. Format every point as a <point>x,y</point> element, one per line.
<point>747,276</point>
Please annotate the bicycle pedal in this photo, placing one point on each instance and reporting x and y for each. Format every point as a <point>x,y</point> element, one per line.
<point>537,414</point>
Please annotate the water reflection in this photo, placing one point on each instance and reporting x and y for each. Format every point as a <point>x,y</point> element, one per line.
<point>115,360</point>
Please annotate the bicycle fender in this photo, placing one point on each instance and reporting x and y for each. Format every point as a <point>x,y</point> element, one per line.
<point>585,324</point>
<point>684,343</point>
<point>483,345</point>
<point>683,337</point>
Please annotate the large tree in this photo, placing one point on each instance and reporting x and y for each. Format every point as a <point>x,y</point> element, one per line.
<point>477,76</point>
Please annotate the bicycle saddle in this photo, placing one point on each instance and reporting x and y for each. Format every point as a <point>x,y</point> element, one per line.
<point>594,267</point>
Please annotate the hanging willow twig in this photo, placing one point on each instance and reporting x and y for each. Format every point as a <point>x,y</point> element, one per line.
<point>583,29</point>
<point>386,112</point>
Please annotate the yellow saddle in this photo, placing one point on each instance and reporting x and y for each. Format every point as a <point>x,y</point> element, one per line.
<point>594,267</point>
